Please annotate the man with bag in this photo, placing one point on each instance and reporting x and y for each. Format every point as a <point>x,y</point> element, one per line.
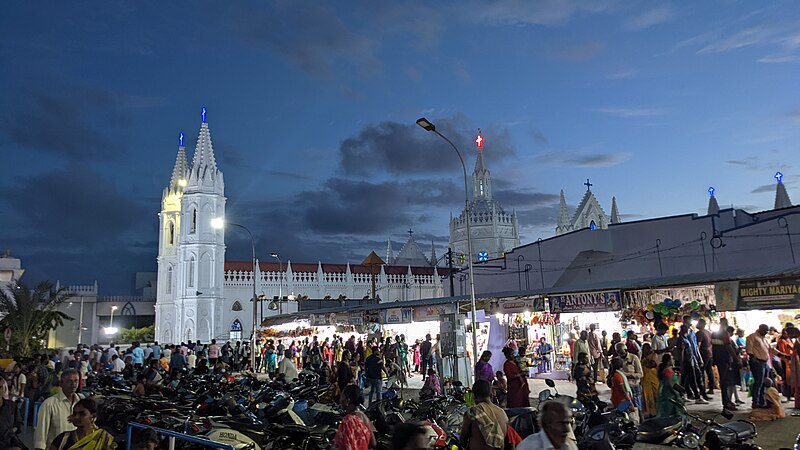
<point>485,424</point>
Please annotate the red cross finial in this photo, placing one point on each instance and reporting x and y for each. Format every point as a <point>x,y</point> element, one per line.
<point>479,141</point>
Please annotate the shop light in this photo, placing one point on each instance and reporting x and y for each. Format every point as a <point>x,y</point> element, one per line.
<point>565,336</point>
<point>499,316</point>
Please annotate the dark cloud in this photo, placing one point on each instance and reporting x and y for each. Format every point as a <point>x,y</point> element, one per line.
<point>407,149</point>
<point>763,189</point>
<point>74,225</point>
<point>540,216</point>
<point>794,115</point>
<point>749,163</point>
<point>521,198</point>
<point>539,137</point>
<point>72,120</point>
<point>74,204</point>
<point>308,35</point>
<point>566,158</point>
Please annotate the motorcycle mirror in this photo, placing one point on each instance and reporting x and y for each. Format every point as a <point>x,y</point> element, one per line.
<point>550,383</point>
<point>623,406</point>
<point>544,395</point>
<point>727,414</point>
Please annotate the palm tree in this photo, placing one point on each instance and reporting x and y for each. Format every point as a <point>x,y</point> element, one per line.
<point>31,314</point>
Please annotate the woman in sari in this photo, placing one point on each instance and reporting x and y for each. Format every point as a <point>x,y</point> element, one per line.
<point>483,370</point>
<point>87,435</point>
<point>670,401</point>
<point>518,390</point>
<point>794,378</point>
<point>786,346</point>
<point>650,380</point>
<point>355,431</point>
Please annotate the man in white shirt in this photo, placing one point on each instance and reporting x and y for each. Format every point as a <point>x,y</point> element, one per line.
<point>117,364</point>
<point>112,351</point>
<point>556,430</point>
<point>287,367</point>
<point>55,410</point>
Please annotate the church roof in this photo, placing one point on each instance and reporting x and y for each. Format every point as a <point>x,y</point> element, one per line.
<point>782,197</point>
<point>411,255</point>
<point>480,165</point>
<point>181,169</point>
<point>588,198</point>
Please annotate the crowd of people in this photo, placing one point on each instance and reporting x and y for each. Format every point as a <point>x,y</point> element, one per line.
<point>658,371</point>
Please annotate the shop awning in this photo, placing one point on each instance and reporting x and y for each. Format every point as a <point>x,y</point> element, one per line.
<point>621,285</point>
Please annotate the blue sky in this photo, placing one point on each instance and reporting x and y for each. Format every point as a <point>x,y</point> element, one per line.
<point>312,108</point>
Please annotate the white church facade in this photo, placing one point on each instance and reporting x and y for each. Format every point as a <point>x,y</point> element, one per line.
<point>202,296</point>
<point>588,215</point>
<point>494,231</point>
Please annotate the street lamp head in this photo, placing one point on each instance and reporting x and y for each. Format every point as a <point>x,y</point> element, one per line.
<point>425,124</point>
<point>110,331</point>
<point>218,223</point>
<point>274,255</point>
<point>114,308</point>
<point>182,182</point>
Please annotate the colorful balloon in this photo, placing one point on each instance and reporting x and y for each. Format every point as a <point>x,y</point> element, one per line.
<point>677,303</point>
<point>649,315</point>
<point>695,304</point>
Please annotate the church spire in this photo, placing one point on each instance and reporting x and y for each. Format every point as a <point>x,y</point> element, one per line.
<point>481,178</point>
<point>434,259</point>
<point>181,170</point>
<point>614,211</point>
<point>563,214</point>
<point>781,196</point>
<point>389,252</point>
<point>204,165</point>
<point>713,206</point>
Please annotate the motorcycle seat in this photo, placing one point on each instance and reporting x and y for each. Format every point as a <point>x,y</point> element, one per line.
<point>655,430</point>
<point>512,412</point>
<point>733,431</point>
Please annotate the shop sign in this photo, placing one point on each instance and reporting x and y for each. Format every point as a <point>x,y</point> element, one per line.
<point>779,293</point>
<point>350,319</point>
<point>432,312</point>
<point>586,302</point>
<point>317,320</point>
<point>396,315</point>
<point>520,305</point>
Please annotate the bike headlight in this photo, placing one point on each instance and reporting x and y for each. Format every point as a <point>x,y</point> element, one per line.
<point>690,440</point>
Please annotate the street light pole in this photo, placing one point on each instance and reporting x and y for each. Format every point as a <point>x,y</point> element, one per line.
<point>280,283</point>
<point>80,324</point>
<point>428,126</point>
<point>219,223</point>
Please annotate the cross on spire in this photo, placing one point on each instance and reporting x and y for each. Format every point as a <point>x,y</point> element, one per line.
<point>779,177</point>
<point>588,185</point>
<point>180,139</point>
<point>203,114</point>
<point>410,233</point>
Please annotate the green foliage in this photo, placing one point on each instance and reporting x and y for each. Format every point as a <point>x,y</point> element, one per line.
<point>133,334</point>
<point>31,314</point>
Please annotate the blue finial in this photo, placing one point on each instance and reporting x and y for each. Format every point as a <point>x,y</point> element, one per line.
<point>203,114</point>
<point>180,139</point>
<point>779,177</point>
<point>711,191</point>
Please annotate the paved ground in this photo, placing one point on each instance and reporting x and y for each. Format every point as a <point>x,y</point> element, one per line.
<point>771,435</point>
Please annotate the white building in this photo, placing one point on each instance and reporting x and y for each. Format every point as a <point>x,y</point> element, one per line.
<point>589,214</point>
<point>494,231</point>
<point>723,240</point>
<point>10,271</point>
<point>202,296</point>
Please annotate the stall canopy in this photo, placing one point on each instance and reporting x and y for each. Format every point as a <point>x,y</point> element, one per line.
<point>565,293</point>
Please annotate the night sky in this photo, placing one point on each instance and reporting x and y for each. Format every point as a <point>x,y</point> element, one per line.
<point>312,107</point>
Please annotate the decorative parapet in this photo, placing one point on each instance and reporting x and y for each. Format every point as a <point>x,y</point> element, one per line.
<point>122,298</point>
<point>88,289</point>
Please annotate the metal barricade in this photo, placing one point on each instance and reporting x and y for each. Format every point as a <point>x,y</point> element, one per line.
<point>173,436</point>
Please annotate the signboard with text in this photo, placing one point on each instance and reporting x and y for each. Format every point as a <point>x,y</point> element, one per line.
<point>396,316</point>
<point>778,293</point>
<point>521,305</point>
<point>432,312</point>
<point>585,302</point>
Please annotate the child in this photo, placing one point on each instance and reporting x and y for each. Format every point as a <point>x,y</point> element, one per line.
<point>773,398</point>
<point>500,389</point>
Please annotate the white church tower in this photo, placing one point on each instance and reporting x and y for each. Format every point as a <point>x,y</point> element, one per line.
<point>197,295</point>
<point>494,231</point>
<point>168,238</point>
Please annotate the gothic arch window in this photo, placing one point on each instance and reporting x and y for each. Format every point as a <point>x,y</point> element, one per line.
<point>205,275</point>
<point>190,281</point>
<point>236,330</point>
<point>592,225</point>
<point>169,280</point>
<point>171,233</point>
<point>193,225</point>
<point>236,306</point>
<point>128,310</point>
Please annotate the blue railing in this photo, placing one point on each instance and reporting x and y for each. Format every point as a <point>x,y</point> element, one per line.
<point>173,435</point>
